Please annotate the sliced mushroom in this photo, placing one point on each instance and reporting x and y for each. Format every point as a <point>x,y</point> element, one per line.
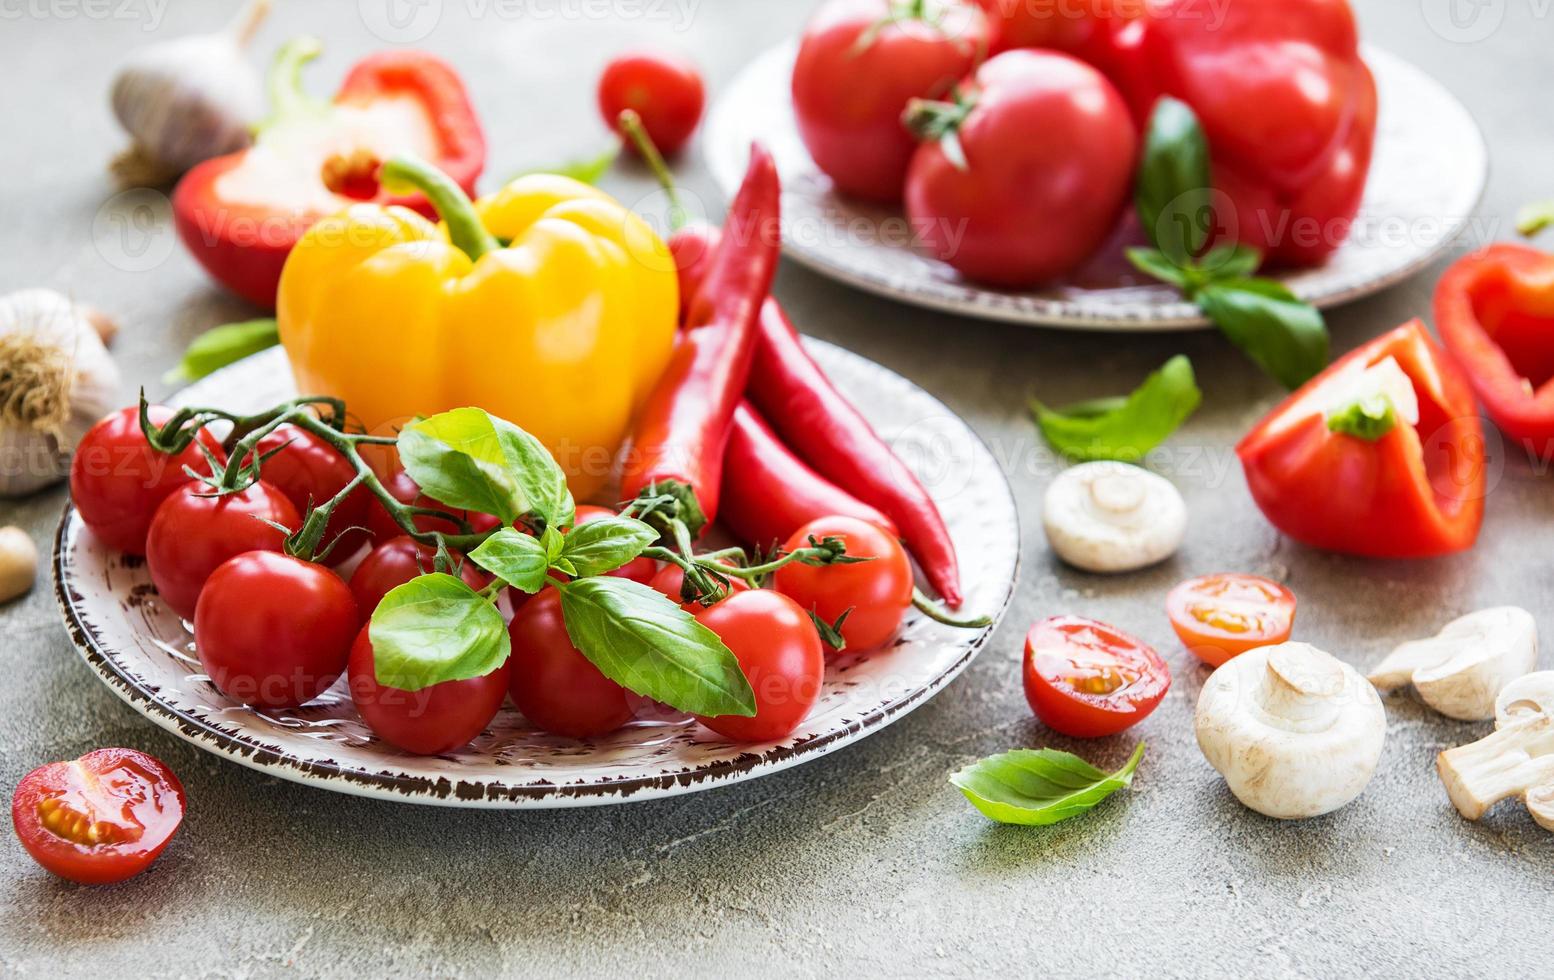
<point>1517,760</point>
<point>1295,731</point>
<point>1527,696</point>
<point>1113,517</point>
<point>1462,669</point>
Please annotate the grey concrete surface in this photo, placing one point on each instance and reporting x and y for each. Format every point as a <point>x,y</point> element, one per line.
<point>865,862</point>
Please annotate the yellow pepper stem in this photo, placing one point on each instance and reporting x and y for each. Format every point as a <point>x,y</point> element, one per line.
<point>406,174</point>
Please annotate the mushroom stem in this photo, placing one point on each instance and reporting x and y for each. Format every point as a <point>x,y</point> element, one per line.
<point>1302,690</point>
<point>1512,761</point>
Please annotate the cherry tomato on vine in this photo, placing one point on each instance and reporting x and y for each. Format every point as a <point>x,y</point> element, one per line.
<point>1220,616</point>
<point>665,90</point>
<point>396,562</point>
<point>99,819</point>
<point>274,631</point>
<point>874,594</point>
<point>671,579</point>
<point>781,656</point>
<point>117,480</point>
<point>402,488</point>
<point>307,469</point>
<point>194,532</point>
<point>552,683</point>
<point>639,569</point>
<point>430,721</point>
<point>1086,679</point>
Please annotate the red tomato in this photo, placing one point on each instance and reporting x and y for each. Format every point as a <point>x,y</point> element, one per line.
<point>671,579</point>
<point>874,594</point>
<point>638,569</point>
<point>665,90</point>
<point>1025,211</point>
<point>553,684</point>
<point>430,721</point>
<point>396,562</point>
<point>274,631</point>
<point>780,653</point>
<point>1414,492</point>
<point>1086,679</point>
<point>193,533</point>
<point>1081,28</point>
<point>403,489</point>
<point>309,470</point>
<point>117,481</point>
<point>102,818</point>
<point>858,66</point>
<point>1220,616</point>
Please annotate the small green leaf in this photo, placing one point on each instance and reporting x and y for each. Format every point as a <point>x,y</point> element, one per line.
<point>514,557</point>
<point>1285,337</point>
<point>1368,418</point>
<point>1233,261</point>
<point>606,544</point>
<point>223,345</point>
<point>1534,218</point>
<point>589,170</point>
<point>1124,428</point>
<point>1155,263</point>
<point>1037,787</point>
<point>1172,191</point>
<point>435,628</point>
<point>644,642</point>
<point>470,459</point>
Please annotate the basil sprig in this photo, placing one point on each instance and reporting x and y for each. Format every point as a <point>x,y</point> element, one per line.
<point>1037,787</point>
<point>469,459</point>
<point>1287,338</point>
<point>435,628</point>
<point>589,170</point>
<point>1123,428</point>
<point>223,345</point>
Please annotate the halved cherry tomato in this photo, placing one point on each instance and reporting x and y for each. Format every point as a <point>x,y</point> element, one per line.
<point>274,631</point>
<point>430,721</point>
<point>102,818</point>
<point>1220,616</point>
<point>396,562</point>
<point>403,489</point>
<point>117,481</point>
<point>195,531</point>
<point>308,470</point>
<point>638,569</point>
<point>780,653</point>
<point>665,90</point>
<point>874,594</point>
<point>1086,679</point>
<point>670,580</point>
<point>552,683</point>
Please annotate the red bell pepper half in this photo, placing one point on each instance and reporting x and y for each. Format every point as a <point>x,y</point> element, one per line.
<point>1287,104</point>
<point>1495,312</point>
<point>1380,455</point>
<point>240,214</point>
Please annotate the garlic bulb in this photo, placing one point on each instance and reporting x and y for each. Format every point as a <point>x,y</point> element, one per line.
<point>188,99</point>
<point>56,379</point>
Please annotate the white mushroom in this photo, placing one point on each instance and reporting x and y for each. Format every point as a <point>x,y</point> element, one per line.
<point>1517,760</point>
<point>1113,517</point>
<point>1295,731</point>
<point>1460,670</point>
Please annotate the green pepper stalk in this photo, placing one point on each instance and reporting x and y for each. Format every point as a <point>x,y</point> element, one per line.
<point>406,174</point>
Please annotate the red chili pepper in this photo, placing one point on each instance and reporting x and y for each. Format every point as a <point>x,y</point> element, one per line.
<point>240,214</point>
<point>826,431</point>
<point>768,493</point>
<point>681,433</point>
<point>1495,311</point>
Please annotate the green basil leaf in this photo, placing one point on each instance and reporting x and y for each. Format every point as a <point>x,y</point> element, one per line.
<point>432,629</point>
<point>1173,192</point>
<point>1155,263</point>
<point>1124,428</point>
<point>1232,261</point>
<point>589,170</point>
<point>223,345</point>
<point>470,459</point>
<point>606,544</point>
<point>1287,338</point>
<point>514,557</point>
<point>1037,787</point>
<point>1367,418</point>
<point>644,642</point>
<point>1534,218</point>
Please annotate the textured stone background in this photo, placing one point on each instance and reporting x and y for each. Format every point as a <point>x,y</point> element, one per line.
<point>865,861</point>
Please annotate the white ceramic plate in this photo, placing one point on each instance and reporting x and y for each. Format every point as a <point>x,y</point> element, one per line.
<point>1428,173</point>
<point>146,655</point>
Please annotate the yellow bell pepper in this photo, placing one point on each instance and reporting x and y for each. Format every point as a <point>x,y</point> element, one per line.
<point>563,330</point>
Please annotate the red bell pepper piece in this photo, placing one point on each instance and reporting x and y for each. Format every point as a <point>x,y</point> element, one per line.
<point>680,435</point>
<point>240,214</point>
<point>1495,312</point>
<point>1404,490</point>
<point>768,493</point>
<point>1287,104</point>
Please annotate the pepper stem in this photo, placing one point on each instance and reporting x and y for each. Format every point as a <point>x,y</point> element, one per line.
<point>937,613</point>
<point>288,99</point>
<point>406,174</point>
<point>631,124</point>
<point>1534,218</point>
